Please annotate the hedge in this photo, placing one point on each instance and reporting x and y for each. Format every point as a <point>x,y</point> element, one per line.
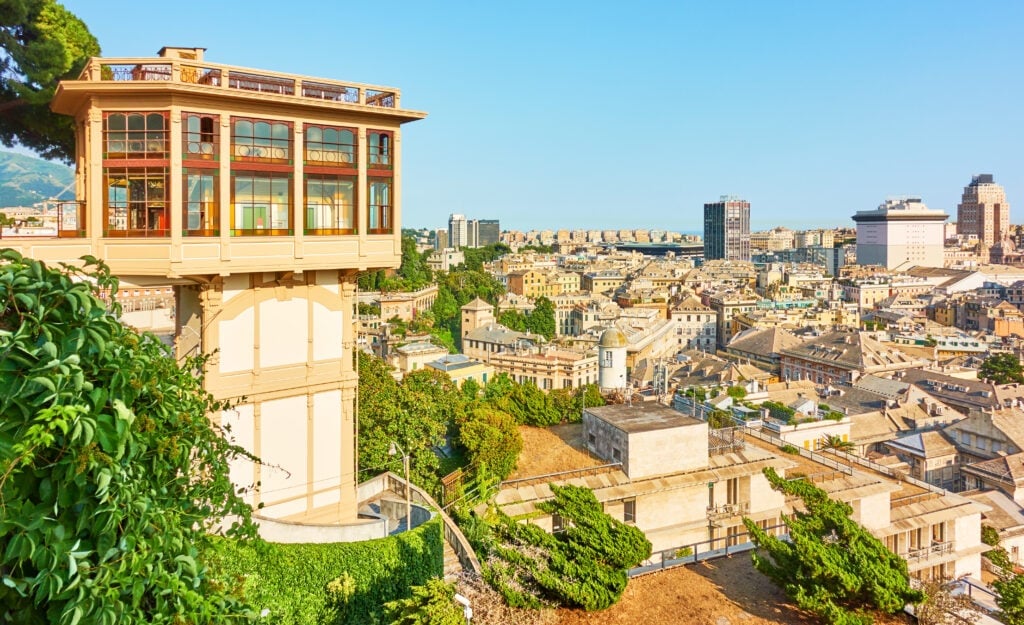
<point>292,580</point>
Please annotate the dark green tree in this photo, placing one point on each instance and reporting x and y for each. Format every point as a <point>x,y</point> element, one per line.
<point>413,270</point>
<point>541,319</point>
<point>736,392</point>
<point>471,389</point>
<point>584,566</point>
<point>41,43</point>
<point>513,320</point>
<point>831,565</point>
<point>112,477</point>
<point>1002,369</point>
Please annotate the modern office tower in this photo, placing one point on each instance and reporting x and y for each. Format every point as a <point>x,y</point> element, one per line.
<point>983,210</point>
<point>727,229</point>
<point>488,232</point>
<point>899,234</point>
<point>441,239</point>
<point>473,233</point>
<point>261,196</point>
<point>458,231</point>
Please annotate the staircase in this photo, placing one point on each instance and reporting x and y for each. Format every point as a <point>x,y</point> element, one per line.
<point>452,566</point>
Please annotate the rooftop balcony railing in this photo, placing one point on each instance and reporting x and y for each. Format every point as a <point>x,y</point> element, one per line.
<point>724,511</point>
<point>218,76</point>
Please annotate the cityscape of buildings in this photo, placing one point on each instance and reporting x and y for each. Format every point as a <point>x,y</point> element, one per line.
<point>240,208</point>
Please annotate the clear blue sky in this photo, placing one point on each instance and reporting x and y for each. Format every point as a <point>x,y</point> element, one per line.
<point>633,114</point>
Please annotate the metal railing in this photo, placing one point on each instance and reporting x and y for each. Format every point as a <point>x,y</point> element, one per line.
<point>724,511</point>
<point>452,534</point>
<point>561,475</point>
<point>935,550</point>
<point>704,550</point>
<point>806,453</point>
<point>236,78</point>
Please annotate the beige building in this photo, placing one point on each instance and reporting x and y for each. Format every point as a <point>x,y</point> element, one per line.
<point>414,356</point>
<point>260,196</point>
<point>461,368</point>
<point>983,211</point>
<point>901,234</point>
<point>687,488</point>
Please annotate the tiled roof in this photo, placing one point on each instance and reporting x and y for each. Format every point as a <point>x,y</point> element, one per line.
<point>765,341</point>
<point>852,351</point>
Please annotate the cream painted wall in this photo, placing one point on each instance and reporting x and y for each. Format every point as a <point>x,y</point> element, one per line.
<point>242,433</point>
<point>235,285</point>
<point>660,452</point>
<point>284,332</point>
<point>874,511</point>
<point>327,441</point>
<point>327,332</point>
<point>237,342</point>
<point>762,496</point>
<point>284,473</point>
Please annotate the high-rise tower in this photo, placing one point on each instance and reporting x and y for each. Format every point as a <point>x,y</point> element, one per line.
<point>727,229</point>
<point>458,230</point>
<point>983,210</point>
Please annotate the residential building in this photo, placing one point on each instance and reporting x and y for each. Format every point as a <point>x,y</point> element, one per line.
<point>773,240</point>
<point>983,210</point>
<point>901,233</point>
<point>441,239</point>
<point>843,357</point>
<point>726,305</point>
<point>446,259</point>
<point>262,195</point>
<point>727,229</point>
<point>414,356</point>
<point>695,325</point>
<point>461,368</point>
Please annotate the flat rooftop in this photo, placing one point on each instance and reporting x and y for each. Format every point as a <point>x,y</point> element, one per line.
<point>642,417</point>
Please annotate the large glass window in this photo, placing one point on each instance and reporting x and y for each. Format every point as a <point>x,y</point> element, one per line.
<point>379,207</point>
<point>201,215</point>
<point>136,202</point>
<point>199,136</point>
<point>330,146</point>
<point>261,203</point>
<point>262,141</point>
<point>135,135</point>
<point>379,149</point>
<point>330,204</point>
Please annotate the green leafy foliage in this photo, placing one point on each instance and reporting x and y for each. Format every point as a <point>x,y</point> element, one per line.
<point>836,442</point>
<point>1010,599</point>
<point>831,566</point>
<point>779,411</point>
<point>584,566</point>
<point>430,604</point>
<point>112,477</point>
<point>490,437</point>
<point>415,414</point>
<point>736,392</point>
<point>718,419</point>
<point>1002,369</point>
<point>541,319</point>
<point>476,257</point>
<point>41,43</point>
<point>329,584</point>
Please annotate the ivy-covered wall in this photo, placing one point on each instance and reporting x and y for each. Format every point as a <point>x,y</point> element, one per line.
<point>338,583</point>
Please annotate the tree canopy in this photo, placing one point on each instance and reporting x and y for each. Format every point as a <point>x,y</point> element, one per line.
<point>112,478</point>
<point>41,43</point>
<point>1002,369</point>
<point>831,565</point>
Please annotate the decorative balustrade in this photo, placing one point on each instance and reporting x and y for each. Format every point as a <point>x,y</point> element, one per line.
<point>234,78</point>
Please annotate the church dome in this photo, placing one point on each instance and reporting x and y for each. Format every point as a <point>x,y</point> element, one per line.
<point>612,337</point>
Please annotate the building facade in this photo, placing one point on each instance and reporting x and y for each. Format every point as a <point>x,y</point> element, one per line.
<point>899,234</point>
<point>983,210</point>
<point>458,231</point>
<point>727,229</point>
<point>260,196</point>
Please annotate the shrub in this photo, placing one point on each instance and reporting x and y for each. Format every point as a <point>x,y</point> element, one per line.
<point>779,411</point>
<point>789,449</point>
<point>323,584</point>
<point>736,392</point>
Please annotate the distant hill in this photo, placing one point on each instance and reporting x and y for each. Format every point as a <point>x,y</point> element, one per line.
<point>25,180</point>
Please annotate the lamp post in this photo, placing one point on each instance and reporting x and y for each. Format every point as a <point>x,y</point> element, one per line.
<point>392,450</point>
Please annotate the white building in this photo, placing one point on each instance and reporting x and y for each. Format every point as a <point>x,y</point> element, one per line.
<point>458,231</point>
<point>899,234</point>
<point>611,352</point>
